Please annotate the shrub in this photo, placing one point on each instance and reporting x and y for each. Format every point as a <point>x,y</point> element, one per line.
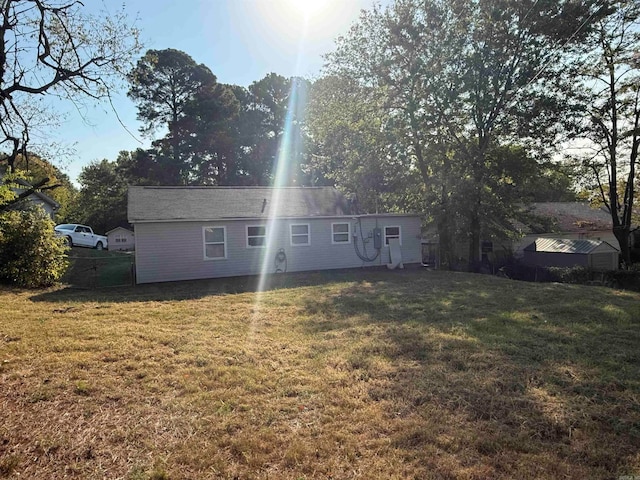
<point>578,274</point>
<point>30,253</point>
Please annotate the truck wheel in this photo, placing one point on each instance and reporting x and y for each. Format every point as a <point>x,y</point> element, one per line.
<point>99,246</point>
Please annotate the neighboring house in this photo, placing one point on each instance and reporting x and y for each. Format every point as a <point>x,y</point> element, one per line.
<point>184,233</point>
<point>549,252</point>
<point>120,239</point>
<point>568,220</point>
<point>557,220</point>
<point>38,198</point>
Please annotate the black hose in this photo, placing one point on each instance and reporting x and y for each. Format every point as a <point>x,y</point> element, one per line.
<point>362,256</point>
<point>281,261</point>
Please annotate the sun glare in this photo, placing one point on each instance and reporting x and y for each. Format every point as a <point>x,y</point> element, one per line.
<point>309,8</point>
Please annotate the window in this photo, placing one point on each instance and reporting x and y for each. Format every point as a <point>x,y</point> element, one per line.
<point>300,234</point>
<point>392,232</point>
<point>120,238</point>
<point>215,243</point>
<point>256,236</point>
<point>340,233</point>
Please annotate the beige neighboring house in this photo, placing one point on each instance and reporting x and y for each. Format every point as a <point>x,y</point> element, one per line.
<point>570,221</point>
<point>121,239</point>
<point>551,220</point>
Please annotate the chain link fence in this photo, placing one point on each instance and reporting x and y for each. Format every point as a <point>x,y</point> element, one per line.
<point>98,269</point>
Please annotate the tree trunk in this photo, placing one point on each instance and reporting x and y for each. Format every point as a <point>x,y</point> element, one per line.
<point>622,235</point>
<point>474,238</point>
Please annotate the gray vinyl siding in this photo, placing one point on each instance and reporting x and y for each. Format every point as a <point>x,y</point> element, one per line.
<point>175,251</point>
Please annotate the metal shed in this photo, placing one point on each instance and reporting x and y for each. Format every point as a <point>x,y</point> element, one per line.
<point>553,252</point>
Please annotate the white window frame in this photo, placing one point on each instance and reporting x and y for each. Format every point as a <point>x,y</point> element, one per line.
<point>308,234</point>
<point>205,243</point>
<point>333,233</point>
<point>387,237</point>
<point>256,236</point>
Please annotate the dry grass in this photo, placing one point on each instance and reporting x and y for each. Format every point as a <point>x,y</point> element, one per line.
<point>368,375</point>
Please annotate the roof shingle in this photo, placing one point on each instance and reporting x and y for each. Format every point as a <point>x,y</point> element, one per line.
<point>210,203</point>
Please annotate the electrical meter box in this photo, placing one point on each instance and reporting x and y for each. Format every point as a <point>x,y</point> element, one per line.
<point>377,238</point>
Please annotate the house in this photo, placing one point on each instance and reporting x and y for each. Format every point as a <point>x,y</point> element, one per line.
<point>549,252</point>
<point>184,233</point>
<point>567,220</point>
<point>120,238</point>
<point>49,205</point>
<point>555,220</point>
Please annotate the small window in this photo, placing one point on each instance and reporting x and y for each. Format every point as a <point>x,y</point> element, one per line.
<point>120,238</point>
<point>300,234</point>
<point>215,243</point>
<point>256,236</point>
<point>392,232</point>
<point>340,233</point>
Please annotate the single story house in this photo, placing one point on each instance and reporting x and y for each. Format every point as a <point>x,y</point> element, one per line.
<point>120,238</point>
<point>549,252</point>
<point>567,220</point>
<point>49,205</point>
<point>553,220</point>
<point>185,233</point>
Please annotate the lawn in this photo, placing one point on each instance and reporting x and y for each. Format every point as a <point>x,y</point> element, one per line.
<point>337,375</point>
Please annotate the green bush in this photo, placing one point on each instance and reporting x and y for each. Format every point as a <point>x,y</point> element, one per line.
<point>578,275</point>
<point>30,253</point>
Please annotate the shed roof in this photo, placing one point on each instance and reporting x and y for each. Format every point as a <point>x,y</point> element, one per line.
<point>559,245</point>
<point>166,204</point>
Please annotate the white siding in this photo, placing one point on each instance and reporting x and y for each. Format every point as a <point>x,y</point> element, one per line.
<point>123,234</point>
<point>173,251</point>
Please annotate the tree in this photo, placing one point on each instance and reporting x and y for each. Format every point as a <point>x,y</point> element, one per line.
<point>54,47</point>
<point>37,169</point>
<point>275,120</point>
<point>458,81</point>
<point>613,125</point>
<point>162,84</point>
<point>102,200</point>
<point>353,147</point>
<point>175,93</point>
<point>30,254</point>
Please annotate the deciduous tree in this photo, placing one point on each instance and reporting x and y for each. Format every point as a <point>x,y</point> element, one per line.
<point>459,80</point>
<point>613,126</point>
<point>53,47</point>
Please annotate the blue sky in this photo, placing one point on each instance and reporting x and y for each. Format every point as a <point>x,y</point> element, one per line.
<point>239,40</point>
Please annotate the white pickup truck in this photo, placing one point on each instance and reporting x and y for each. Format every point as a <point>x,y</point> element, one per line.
<point>81,236</point>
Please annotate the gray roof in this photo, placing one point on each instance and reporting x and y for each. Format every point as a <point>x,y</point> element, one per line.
<point>575,217</point>
<point>557,245</point>
<point>42,196</point>
<point>209,203</point>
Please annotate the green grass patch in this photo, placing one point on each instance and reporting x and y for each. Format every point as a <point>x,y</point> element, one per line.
<point>90,268</point>
<point>359,374</point>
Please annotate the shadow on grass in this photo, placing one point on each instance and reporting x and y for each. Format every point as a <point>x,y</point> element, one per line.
<point>193,289</point>
<point>544,376</point>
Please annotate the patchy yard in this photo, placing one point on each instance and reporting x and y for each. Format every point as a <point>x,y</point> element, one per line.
<point>368,375</point>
